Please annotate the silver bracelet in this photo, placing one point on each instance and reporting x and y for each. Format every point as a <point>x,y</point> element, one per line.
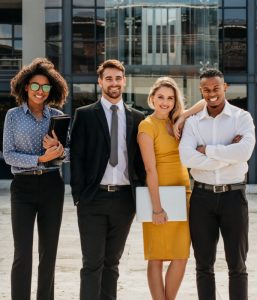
<point>158,212</point>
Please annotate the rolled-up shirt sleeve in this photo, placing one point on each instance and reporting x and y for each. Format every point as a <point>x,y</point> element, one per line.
<point>237,152</point>
<point>192,158</point>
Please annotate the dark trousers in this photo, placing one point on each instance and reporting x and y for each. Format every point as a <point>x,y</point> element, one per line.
<point>104,226</point>
<point>42,197</point>
<point>210,214</point>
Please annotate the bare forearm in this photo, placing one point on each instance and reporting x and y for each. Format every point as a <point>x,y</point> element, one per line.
<point>198,106</point>
<point>153,186</point>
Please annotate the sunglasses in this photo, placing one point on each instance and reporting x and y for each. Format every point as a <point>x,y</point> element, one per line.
<point>45,87</point>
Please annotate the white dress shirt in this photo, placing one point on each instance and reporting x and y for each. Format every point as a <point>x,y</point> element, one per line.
<point>223,163</point>
<point>117,175</point>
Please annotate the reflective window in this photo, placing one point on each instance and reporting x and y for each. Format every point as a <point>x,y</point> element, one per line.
<point>83,24</point>
<point>100,24</point>
<point>17,31</point>
<point>154,35</point>
<point>53,19</point>
<point>53,24</point>
<point>6,48</point>
<point>100,2</point>
<point>54,53</point>
<point>100,52</point>
<point>5,31</point>
<point>88,34</point>
<point>18,45</point>
<point>53,3</point>
<point>10,38</point>
<point>111,29</point>
<point>83,57</point>
<point>154,40</point>
<point>221,45</point>
<point>83,94</point>
<point>234,3</point>
<point>237,95</point>
<point>235,40</point>
<point>256,35</point>
<point>83,3</point>
<point>17,48</point>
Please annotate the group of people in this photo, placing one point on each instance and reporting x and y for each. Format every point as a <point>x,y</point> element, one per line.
<point>113,149</point>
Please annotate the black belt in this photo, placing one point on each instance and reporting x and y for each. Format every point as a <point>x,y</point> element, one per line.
<point>220,188</point>
<point>37,172</point>
<point>114,188</point>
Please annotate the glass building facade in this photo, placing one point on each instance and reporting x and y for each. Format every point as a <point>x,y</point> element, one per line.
<point>177,38</point>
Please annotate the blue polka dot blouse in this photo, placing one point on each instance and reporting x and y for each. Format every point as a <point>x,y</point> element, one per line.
<point>23,138</point>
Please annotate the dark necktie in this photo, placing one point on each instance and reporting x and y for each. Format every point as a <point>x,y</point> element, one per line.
<point>114,137</point>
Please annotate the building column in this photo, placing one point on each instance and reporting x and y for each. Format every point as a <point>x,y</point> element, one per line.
<point>67,66</point>
<point>33,30</point>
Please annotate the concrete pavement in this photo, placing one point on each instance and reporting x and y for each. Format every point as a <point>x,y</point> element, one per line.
<point>132,282</point>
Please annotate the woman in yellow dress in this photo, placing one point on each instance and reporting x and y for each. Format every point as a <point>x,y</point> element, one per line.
<point>164,240</point>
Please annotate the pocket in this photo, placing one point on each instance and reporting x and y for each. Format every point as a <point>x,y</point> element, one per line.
<point>17,185</point>
<point>243,197</point>
<point>18,190</point>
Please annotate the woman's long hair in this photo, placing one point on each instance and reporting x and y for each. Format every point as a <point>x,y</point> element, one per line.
<point>169,83</point>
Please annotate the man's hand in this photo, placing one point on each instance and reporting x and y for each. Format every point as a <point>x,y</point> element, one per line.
<point>237,139</point>
<point>201,149</point>
<point>178,127</point>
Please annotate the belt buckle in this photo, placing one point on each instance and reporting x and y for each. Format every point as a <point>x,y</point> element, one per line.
<point>38,172</point>
<point>111,188</point>
<point>219,188</point>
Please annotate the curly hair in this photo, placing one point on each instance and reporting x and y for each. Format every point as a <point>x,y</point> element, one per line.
<point>40,66</point>
<point>169,83</point>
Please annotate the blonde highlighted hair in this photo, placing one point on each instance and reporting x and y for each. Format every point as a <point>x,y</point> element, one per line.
<point>169,83</point>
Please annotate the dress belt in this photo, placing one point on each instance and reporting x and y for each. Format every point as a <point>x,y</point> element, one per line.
<point>37,172</point>
<point>220,188</point>
<point>114,188</point>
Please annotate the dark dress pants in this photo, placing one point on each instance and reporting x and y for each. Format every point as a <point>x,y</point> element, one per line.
<point>210,214</point>
<point>42,197</point>
<point>104,226</point>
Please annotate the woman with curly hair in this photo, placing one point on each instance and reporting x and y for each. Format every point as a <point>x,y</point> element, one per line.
<point>37,190</point>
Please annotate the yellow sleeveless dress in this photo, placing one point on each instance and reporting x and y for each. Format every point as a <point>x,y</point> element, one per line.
<point>171,240</point>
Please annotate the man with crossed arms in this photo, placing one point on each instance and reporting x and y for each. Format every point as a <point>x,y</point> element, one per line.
<point>216,144</point>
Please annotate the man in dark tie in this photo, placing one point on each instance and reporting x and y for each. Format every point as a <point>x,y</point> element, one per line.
<point>106,166</point>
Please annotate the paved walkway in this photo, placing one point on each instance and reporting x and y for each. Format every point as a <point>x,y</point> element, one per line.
<point>132,281</point>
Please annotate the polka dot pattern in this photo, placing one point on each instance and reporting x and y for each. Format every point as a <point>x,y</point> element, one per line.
<point>23,137</point>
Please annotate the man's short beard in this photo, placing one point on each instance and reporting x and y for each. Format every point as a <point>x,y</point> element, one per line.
<point>109,94</point>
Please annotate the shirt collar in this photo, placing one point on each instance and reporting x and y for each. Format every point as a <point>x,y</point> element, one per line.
<point>108,104</point>
<point>46,110</point>
<point>25,107</point>
<point>226,111</point>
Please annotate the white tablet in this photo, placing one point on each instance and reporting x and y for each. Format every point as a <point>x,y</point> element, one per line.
<point>173,201</point>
